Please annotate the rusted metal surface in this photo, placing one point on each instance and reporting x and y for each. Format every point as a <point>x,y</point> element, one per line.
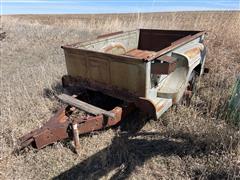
<point>55,129</point>
<point>144,69</point>
<point>114,48</point>
<point>125,76</point>
<point>158,41</point>
<point>142,54</point>
<point>191,53</point>
<point>125,71</point>
<point>164,65</point>
<point>99,122</point>
<point>76,136</point>
<point>142,103</point>
<point>58,127</point>
<point>147,106</point>
<point>105,69</point>
<point>128,39</point>
<point>175,45</point>
<point>114,91</point>
<point>84,106</point>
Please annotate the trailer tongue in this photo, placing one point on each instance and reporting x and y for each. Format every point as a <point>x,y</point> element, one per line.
<point>66,122</point>
<point>144,70</point>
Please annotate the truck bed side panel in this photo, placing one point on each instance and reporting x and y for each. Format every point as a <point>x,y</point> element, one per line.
<point>119,72</point>
<point>128,40</point>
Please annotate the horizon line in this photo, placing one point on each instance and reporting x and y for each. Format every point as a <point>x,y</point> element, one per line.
<point>214,10</point>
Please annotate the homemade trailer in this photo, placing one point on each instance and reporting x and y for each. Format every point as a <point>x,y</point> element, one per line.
<point>117,73</point>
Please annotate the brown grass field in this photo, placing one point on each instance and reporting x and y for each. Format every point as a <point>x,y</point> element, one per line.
<point>185,143</point>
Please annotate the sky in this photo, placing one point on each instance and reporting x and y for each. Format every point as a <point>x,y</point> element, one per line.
<point>112,6</point>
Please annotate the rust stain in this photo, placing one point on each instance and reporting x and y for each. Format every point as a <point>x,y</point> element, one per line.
<point>192,52</point>
<point>143,54</point>
<point>159,107</point>
<point>115,48</point>
<point>57,127</point>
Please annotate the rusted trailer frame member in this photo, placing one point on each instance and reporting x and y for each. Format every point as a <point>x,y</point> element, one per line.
<point>60,126</point>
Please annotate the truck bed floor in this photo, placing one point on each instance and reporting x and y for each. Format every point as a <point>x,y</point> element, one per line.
<point>138,53</point>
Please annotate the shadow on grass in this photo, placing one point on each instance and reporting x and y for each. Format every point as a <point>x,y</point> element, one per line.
<point>127,152</point>
<point>55,89</point>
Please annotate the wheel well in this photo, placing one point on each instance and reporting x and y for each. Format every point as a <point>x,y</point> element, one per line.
<point>197,69</point>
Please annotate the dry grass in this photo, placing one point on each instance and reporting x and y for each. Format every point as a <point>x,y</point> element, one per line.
<point>186,143</point>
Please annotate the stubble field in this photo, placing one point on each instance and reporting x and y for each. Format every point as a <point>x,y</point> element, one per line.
<point>186,143</point>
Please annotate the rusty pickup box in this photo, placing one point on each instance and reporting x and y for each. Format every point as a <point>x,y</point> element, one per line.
<point>115,74</point>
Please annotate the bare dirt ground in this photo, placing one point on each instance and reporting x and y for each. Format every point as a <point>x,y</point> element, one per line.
<point>186,143</point>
